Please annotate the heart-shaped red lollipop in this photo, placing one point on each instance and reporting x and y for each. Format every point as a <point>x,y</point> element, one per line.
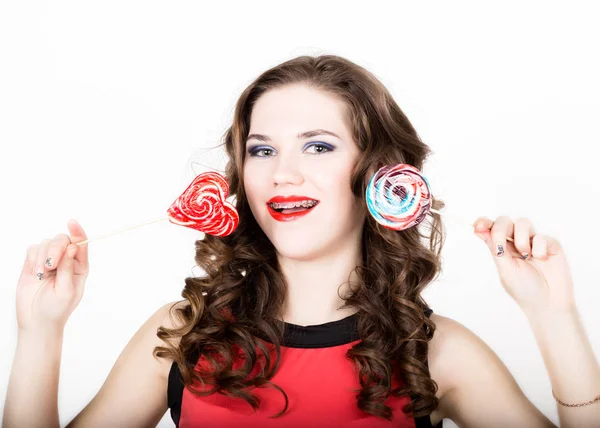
<point>203,206</point>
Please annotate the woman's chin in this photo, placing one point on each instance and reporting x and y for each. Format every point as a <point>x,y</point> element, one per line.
<point>298,250</point>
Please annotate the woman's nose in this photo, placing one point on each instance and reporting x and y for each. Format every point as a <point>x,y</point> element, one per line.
<point>287,171</point>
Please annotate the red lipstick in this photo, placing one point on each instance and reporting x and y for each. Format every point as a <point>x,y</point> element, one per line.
<point>280,216</point>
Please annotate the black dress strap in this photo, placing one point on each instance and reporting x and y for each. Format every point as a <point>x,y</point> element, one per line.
<point>425,421</point>
<point>175,387</point>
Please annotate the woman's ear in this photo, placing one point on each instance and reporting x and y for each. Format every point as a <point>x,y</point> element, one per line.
<point>372,170</point>
<point>369,174</point>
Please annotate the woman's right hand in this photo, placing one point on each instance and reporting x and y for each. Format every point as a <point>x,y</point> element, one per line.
<point>44,305</point>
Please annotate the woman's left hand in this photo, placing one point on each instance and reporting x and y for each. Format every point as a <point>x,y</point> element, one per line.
<point>543,280</point>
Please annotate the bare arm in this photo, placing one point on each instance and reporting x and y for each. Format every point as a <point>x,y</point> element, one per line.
<point>482,392</point>
<point>569,359</point>
<point>480,389</point>
<point>133,395</point>
<point>33,382</point>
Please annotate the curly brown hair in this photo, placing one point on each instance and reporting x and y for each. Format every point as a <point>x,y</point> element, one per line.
<point>240,298</point>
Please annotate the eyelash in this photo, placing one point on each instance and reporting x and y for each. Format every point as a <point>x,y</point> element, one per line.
<point>256,149</point>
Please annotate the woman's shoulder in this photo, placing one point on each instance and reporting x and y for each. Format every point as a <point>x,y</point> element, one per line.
<point>452,343</point>
<point>136,369</point>
<point>439,360</point>
<point>444,347</point>
<point>459,359</point>
<point>170,315</point>
<point>166,316</point>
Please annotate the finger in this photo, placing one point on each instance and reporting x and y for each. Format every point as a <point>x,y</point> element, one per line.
<point>540,247</point>
<point>78,235</point>
<point>509,248</point>
<point>56,251</point>
<point>64,271</point>
<point>501,229</point>
<point>553,247</point>
<point>41,258</point>
<point>31,259</point>
<point>482,224</point>
<point>524,231</point>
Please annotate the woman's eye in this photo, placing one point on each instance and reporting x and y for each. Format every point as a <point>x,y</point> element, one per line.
<point>259,152</point>
<point>319,148</point>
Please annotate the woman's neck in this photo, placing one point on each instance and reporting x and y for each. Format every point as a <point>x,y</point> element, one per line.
<point>315,287</point>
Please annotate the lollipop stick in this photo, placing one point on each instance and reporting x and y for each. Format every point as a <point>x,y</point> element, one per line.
<point>120,231</point>
<point>460,220</point>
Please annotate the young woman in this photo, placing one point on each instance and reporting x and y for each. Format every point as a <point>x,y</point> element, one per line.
<point>310,313</point>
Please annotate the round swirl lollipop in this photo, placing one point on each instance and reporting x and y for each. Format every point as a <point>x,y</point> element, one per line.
<point>398,196</point>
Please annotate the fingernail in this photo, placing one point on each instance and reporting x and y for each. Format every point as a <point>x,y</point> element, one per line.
<point>525,256</point>
<point>49,261</point>
<point>500,250</point>
<point>40,275</point>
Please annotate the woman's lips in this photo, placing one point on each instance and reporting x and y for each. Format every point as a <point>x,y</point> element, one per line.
<point>279,216</point>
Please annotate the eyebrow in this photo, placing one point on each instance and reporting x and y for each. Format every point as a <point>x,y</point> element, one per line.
<point>307,134</point>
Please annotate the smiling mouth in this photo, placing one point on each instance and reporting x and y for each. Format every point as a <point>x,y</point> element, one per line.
<point>289,211</point>
<point>290,207</point>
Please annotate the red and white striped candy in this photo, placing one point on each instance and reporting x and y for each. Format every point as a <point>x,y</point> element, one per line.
<point>203,206</point>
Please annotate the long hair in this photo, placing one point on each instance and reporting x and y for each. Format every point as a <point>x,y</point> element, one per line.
<point>242,294</point>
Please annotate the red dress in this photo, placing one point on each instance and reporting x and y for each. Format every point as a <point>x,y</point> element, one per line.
<point>316,376</point>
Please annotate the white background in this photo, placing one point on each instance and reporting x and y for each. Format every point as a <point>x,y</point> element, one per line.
<point>102,104</point>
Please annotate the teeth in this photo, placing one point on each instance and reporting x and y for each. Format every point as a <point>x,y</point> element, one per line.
<point>288,205</point>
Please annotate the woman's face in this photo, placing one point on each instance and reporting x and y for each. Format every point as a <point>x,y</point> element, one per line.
<point>281,162</point>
